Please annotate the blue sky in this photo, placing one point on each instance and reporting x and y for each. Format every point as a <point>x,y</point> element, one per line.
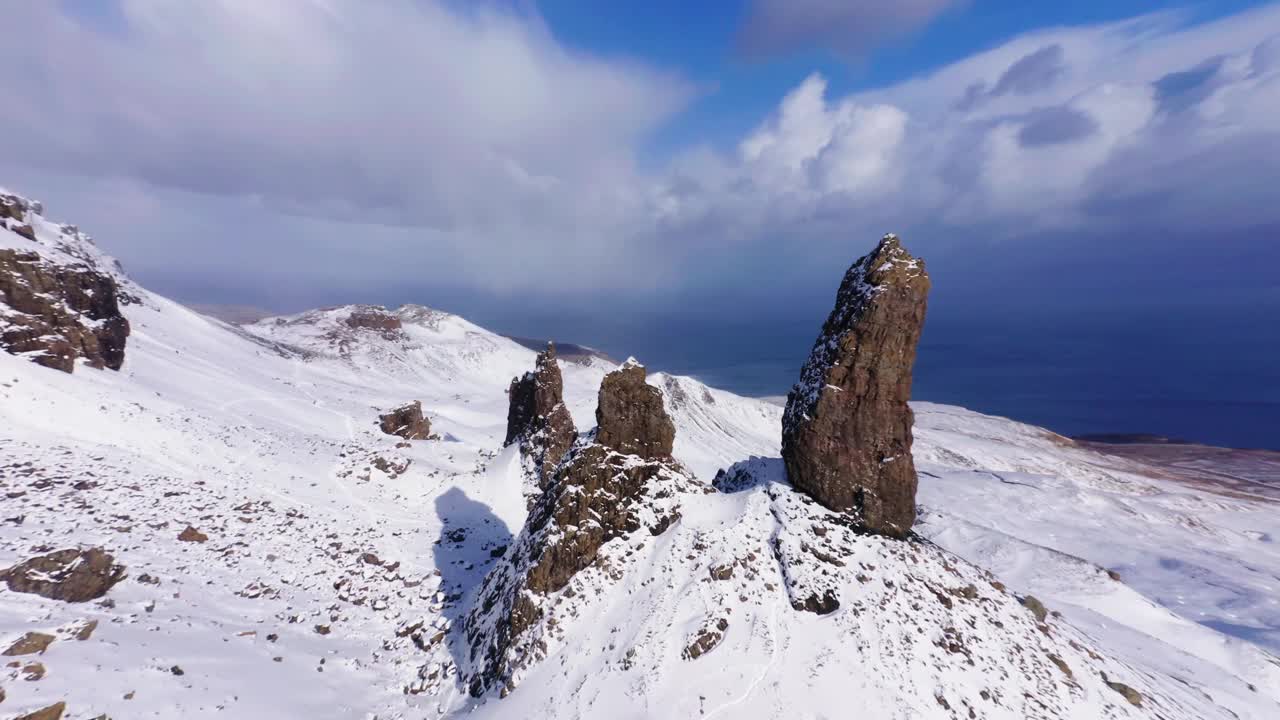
<point>685,181</point>
<point>738,89</point>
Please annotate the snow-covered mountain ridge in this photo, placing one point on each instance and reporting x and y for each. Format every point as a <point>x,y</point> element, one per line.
<point>340,562</point>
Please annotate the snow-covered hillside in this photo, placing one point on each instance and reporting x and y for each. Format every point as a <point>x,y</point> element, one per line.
<point>339,561</point>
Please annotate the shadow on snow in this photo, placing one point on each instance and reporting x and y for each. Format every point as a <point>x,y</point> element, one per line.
<point>471,538</point>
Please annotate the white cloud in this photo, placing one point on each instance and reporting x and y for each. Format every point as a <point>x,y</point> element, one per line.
<point>824,147</point>
<point>1019,139</point>
<point>468,148</point>
<point>467,120</point>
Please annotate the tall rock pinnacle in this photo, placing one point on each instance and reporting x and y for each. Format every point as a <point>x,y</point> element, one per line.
<point>537,417</point>
<point>596,508</point>
<point>630,414</point>
<point>846,432</point>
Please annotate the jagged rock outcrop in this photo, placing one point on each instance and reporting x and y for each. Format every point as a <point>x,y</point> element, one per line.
<point>605,490</point>
<point>13,214</point>
<point>406,421</point>
<point>846,435</point>
<point>538,419</point>
<point>375,318</point>
<point>70,575</point>
<point>54,314</point>
<point>630,416</point>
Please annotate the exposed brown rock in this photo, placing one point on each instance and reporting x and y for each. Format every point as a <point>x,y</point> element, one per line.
<point>706,639</point>
<point>1133,696</point>
<point>391,468</point>
<point>601,497</point>
<point>33,643</point>
<point>1062,666</point>
<point>846,435</point>
<point>406,421</point>
<point>53,712</point>
<point>599,493</point>
<point>823,603</point>
<point>192,535</point>
<point>537,417</point>
<point>1036,607</point>
<point>13,207</point>
<point>374,318</point>
<point>70,575</point>
<point>13,215</point>
<point>55,314</point>
<point>84,632</point>
<point>630,416</point>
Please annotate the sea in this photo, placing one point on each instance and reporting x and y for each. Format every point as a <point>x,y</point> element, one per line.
<point>1195,375</point>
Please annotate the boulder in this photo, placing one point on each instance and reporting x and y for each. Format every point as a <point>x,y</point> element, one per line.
<point>846,435</point>
<point>52,712</point>
<point>407,422</point>
<point>630,415</point>
<point>71,575</point>
<point>33,643</point>
<point>54,314</point>
<point>1133,696</point>
<point>706,639</point>
<point>13,207</point>
<point>537,417</point>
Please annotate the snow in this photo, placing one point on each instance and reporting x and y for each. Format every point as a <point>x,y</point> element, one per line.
<point>265,439</point>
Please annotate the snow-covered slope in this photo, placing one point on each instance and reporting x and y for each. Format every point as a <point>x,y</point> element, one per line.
<point>338,559</point>
<point>1185,579</point>
<point>703,622</point>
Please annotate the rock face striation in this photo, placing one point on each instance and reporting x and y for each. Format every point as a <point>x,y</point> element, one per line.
<point>55,314</point>
<point>612,486</point>
<point>406,421</point>
<point>630,416</point>
<point>846,431</point>
<point>538,418</point>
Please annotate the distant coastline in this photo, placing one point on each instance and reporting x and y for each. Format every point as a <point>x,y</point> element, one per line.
<point>1130,439</point>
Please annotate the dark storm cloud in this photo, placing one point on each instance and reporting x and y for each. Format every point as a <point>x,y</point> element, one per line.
<point>1181,90</point>
<point>1032,73</point>
<point>850,27</point>
<point>1266,56</point>
<point>1051,126</point>
<point>444,118</point>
